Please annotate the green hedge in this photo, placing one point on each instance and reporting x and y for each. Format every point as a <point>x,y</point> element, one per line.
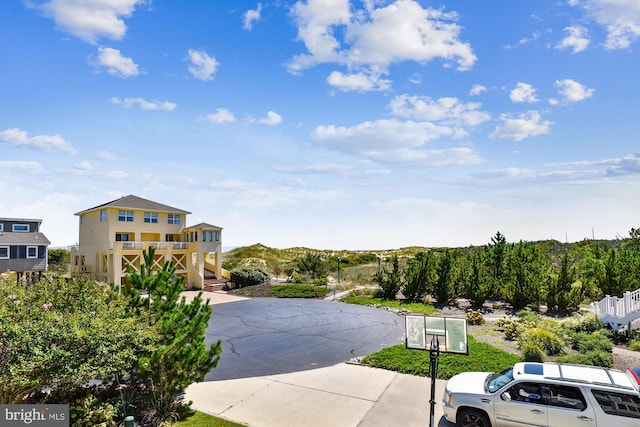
<point>297,291</point>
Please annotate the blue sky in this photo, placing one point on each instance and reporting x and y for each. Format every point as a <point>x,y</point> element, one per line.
<point>329,124</point>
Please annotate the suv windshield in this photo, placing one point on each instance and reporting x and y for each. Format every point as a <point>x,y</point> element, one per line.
<point>497,380</point>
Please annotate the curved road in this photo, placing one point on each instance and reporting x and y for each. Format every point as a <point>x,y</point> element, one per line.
<point>267,336</point>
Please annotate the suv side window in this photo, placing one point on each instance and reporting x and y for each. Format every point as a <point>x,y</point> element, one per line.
<point>526,392</point>
<point>624,405</point>
<point>563,396</point>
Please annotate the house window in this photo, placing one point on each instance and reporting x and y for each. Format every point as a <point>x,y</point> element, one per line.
<point>170,238</point>
<point>125,216</point>
<point>151,217</point>
<point>1,227</point>
<point>20,228</point>
<point>217,236</point>
<point>32,252</point>
<point>122,237</point>
<point>4,252</point>
<point>174,219</point>
<point>81,219</point>
<point>103,215</point>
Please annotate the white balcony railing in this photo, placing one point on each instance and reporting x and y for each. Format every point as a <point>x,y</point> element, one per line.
<point>138,246</point>
<point>618,312</point>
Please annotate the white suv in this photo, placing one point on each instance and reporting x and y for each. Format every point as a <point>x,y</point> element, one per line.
<point>543,394</point>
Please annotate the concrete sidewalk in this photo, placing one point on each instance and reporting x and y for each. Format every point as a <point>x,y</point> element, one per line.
<point>343,395</point>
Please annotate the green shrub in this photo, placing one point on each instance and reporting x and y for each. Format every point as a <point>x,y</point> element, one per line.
<point>297,291</point>
<point>475,317</point>
<point>634,345</point>
<point>586,342</point>
<point>584,323</point>
<point>514,328</point>
<point>543,338</point>
<point>595,358</point>
<point>249,276</point>
<point>532,353</point>
<point>529,316</point>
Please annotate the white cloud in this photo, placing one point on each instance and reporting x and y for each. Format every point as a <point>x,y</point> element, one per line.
<point>446,110</point>
<point>396,142</point>
<point>203,66</point>
<point>404,31</point>
<point>523,93</point>
<point>19,138</point>
<point>572,91</point>
<point>375,38</point>
<point>25,166</point>
<point>577,40</point>
<point>477,90</point>
<point>521,126</point>
<point>342,170</point>
<point>359,82</point>
<point>107,156</point>
<point>144,104</point>
<point>621,19</point>
<point>251,16</point>
<point>272,119</point>
<point>316,20</point>
<point>91,19</point>
<point>222,115</point>
<point>84,166</point>
<point>115,63</point>
<point>240,193</point>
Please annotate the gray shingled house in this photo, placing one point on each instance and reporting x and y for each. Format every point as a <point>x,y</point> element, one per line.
<point>23,248</point>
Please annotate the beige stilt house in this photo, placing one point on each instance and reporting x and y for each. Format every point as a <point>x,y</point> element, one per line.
<point>113,235</point>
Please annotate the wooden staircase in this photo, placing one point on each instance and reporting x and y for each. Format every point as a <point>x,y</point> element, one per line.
<point>212,283</point>
<point>618,312</point>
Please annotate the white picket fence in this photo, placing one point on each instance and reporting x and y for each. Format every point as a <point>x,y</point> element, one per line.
<point>618,312</point>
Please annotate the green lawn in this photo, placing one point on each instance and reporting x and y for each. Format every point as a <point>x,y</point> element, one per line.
<point>200,419</point>
<point>412,307</point>
<point>482,357</point>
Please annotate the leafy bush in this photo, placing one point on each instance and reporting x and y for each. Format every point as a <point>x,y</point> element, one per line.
<point>587,342</point>
<point>584,323</point>
<point>529,316</point>
<point>475,317</point>
<point>543,338</point>
<point>532,353</point>
<point>513,328</point>
<point>634,345</point>
<point>595,358</point>
<point>297,291</point>
<point>249,276</point>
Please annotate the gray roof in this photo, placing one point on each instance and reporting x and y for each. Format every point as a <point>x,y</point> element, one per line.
<point>135,202</point>
<point>23,238</point>
<point>39,221</point>
<point>204,225</point>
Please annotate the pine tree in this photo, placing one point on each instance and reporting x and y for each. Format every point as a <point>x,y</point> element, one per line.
<point>181,355</point>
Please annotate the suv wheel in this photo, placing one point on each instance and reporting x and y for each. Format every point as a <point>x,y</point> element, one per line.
<point>473,418</point>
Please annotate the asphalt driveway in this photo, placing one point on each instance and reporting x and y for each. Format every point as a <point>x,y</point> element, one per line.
<point>268,336</point>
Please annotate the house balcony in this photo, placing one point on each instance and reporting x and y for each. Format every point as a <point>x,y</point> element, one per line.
<point>159,246</point>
